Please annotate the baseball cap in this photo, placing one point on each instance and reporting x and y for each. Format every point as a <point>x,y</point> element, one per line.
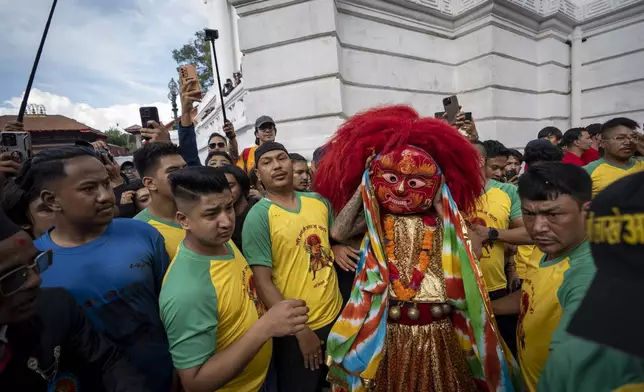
<point>616,235</point>
<point>267,147</point>
<point>263,120</point>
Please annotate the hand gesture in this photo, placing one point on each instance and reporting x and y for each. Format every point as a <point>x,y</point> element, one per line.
<point>127,197</point>
<point>14,126</point>
<point>311,347</point>
<point>189,95</point>
<point>345,257</point>
<point>156,133</point>
<point>229,129</point>
<point>285,318</point>
<point>514,281</point>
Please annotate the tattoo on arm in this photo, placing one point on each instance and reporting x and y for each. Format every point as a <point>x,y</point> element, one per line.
<point>350,221</point>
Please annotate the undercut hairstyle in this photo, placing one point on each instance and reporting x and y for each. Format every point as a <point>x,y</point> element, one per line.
<point>549,131</point>
<point>570,137</point>
<point>240,176</point>
<point>190,183</point>
<point>215,134</point>
<point>494,148</point>
<point>48,166</point>
<point>617,122</point>
<point>295,157</point>
<point>516,154</point>
<point>480,148</point>
<point>219,154</point>
<point>549,180</point>
<point>594,129</point>
<point>15,203</point>
<point>147,158</point>
<point>541,152</point>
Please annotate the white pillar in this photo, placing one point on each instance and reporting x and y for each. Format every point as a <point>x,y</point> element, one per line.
<point>575,78</point>
<point>235,38</point>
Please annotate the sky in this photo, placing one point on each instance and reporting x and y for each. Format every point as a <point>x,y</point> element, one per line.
<point>102,60</point>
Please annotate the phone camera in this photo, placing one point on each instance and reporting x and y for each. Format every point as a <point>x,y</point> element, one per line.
<point>447,101</point>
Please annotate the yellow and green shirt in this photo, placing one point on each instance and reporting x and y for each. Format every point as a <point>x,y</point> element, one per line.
<point>295,244</point>
<point>172,232</point>
<point>603,173</point>
<point>497,207</point>
<point>206,304</point>
<point>576,364</point>
<point>540,310</point>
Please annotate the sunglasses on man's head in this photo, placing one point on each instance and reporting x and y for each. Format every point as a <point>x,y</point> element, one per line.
<point>12,281</point>
<point>212,146</point>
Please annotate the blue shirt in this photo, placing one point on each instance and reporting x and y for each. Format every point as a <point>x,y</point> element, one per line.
<point>117,278</point>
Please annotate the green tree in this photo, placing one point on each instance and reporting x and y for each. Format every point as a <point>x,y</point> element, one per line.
<point>197,52</point>
<point>119,138</point>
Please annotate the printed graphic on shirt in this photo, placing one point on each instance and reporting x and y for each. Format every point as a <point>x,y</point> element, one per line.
<point>248,280</point>
<point>320,256</point>
<point>64,382</point>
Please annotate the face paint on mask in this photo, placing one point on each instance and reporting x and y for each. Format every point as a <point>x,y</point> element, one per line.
<point>405,180</point>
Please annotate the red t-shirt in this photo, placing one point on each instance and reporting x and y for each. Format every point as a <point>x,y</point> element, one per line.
<point>590,155</point>
<point>572,158</point>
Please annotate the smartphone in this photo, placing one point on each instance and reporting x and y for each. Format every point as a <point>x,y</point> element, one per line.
<point>451,106</point>
<point>510,174</point>
<point>468,116</point>
<point>18,143</point>
<point>148,113</point>
<point>439,115</point>
<point>187,72</point>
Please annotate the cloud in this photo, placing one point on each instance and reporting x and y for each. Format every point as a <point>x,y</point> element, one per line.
<point>105,53</point>
<point>121,115</point>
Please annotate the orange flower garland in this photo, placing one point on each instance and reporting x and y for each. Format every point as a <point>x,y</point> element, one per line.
<point>407,292</point>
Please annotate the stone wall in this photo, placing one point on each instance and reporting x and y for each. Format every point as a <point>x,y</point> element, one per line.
<point>312,63</point>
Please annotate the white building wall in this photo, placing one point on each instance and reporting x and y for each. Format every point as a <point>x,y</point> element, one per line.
<point>312,63</point>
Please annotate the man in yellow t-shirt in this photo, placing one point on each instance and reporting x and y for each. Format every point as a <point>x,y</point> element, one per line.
<point>155,161</point>
<point>554,198</point>
<point>265,131</point>
<point>619,139</point>
<point>498,221</point>
<point>286,242</point>
<point>208,301</point>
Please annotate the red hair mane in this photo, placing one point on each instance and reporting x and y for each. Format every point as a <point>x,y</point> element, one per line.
<point>383,129</point>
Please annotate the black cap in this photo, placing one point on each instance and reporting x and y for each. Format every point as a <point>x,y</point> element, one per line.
<point>263,120</point>
<point>297,157</point>
<point>266,147</point>
<point>609,313</point>
<point>538,143</point>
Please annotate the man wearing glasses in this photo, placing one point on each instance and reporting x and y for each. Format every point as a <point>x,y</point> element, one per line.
<point>47,343</point>
<point>620,141</point>
<point>217,142</point>
<point>265,131</point>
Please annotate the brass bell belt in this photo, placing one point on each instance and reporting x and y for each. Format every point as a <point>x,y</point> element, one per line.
<point>412,313</point>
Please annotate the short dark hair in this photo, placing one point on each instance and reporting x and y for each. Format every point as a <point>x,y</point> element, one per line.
<point>217,135</point>
<point>146,158</point>
<point>617,122</point>
<point>191,183</point>
<point>297,157</point>
<point>240,176</point>
<point>219,154</point>
<point>549,131</point>
<point>536,151</point>
<point>480,148</point>
<point>252,176</point>
<point>494,148</point>
<point>516,154</point>
<point>571,136</point>
<point>49,165</point>
<point>318,154</point>
<point>594,129</point>
<point>134,185</point>
<point>549,180</point>
<point>15,203</point>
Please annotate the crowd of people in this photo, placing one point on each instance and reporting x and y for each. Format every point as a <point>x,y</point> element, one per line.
<point>407,256</point>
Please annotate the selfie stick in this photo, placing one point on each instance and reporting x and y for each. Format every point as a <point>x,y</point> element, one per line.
<point>23,105</point>
<point>212,35</point>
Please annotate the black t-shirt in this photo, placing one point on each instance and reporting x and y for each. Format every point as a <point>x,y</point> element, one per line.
<point>239,225</point>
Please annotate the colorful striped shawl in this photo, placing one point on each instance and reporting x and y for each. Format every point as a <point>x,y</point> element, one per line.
<point>355,344</point>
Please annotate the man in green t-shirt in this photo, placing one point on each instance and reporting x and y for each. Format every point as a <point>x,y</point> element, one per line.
<point>208,302</point>
<point>608,354</point>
